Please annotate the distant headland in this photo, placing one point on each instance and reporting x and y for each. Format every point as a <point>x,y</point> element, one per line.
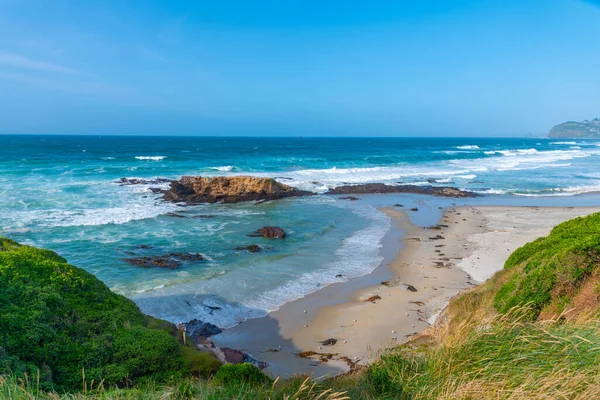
<point>571,129</point>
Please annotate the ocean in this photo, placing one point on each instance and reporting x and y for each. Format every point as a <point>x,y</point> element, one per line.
<point>64,193</point>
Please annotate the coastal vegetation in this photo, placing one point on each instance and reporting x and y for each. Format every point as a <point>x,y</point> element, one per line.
<point>62,326</point>
<point>531,331</point>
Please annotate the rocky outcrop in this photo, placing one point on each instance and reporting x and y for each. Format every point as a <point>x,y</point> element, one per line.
<point>168,261</point>
<point>228,189</point>
<point>269,232</point>
<point>442,191</point>
<point>199,330</point>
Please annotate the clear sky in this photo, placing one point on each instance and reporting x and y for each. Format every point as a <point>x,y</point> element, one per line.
<point>287,67</point>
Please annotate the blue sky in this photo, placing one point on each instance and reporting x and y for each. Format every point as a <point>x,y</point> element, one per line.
<point>311,68</point>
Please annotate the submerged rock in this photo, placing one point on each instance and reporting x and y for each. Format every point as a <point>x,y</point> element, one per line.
<point>351,198</point>
<point>442,191</point>
<point>228,189</point>
<point>253,248</point>
<point>140,181</point>
<point>269,232</point>
<point>168,261</point>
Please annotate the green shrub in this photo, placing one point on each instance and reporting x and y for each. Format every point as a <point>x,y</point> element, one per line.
<point>235,374</point>
<point>202,364</point>
<point>65,322</point>
<point>551,269</point>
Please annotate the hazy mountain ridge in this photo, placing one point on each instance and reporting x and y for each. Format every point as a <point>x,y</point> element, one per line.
<point>572,129</point>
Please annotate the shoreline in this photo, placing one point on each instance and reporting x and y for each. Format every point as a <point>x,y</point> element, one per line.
<point>476,242</point>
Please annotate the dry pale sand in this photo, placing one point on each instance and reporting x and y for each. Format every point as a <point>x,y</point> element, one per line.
<point>468,246</point>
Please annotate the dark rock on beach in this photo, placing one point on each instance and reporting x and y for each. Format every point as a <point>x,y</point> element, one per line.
<point>269,232</point>
<point>228,189</point>
<point>329,342</point>
<point>373,299</point>
<point>199,329</point>
<point>233,356</point>
<point>442,191</point>
<point>410,288</point>
<point>168,261</point>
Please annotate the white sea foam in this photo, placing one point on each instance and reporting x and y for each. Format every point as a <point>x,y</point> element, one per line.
<point>320,180</point>
<point>470,176</point>
<point>225,168</point>
<point>468,147</point>
<point>100,216</point>
<point>564,191</point>
<point>151,158</point>
<point>561,143</point>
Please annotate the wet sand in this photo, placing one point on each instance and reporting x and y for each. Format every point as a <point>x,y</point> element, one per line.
<point>468,245</point>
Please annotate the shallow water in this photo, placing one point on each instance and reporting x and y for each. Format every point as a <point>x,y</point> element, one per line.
<point>62,193</point>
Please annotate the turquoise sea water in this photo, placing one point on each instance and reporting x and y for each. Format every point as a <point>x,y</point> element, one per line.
<point>62,192</point>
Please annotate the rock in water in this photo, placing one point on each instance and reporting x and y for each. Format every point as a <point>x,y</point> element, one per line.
<point>442,191</point>
<point>228,189</point>
<point>168,261</point>
<point>140,181</point>
<point>269,232</point>
<point>253,248</point>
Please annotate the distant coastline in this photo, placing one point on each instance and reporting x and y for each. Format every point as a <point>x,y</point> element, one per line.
<point>588,129</point>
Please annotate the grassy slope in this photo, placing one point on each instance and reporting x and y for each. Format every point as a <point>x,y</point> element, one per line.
<point>531,331</point>
<point>63,322</point>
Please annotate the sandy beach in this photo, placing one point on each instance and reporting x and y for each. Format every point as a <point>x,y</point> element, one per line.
<point>370,314</point>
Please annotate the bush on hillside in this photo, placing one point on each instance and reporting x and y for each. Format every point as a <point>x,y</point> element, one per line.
<point>549,272</point>
<point>63,321</point>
